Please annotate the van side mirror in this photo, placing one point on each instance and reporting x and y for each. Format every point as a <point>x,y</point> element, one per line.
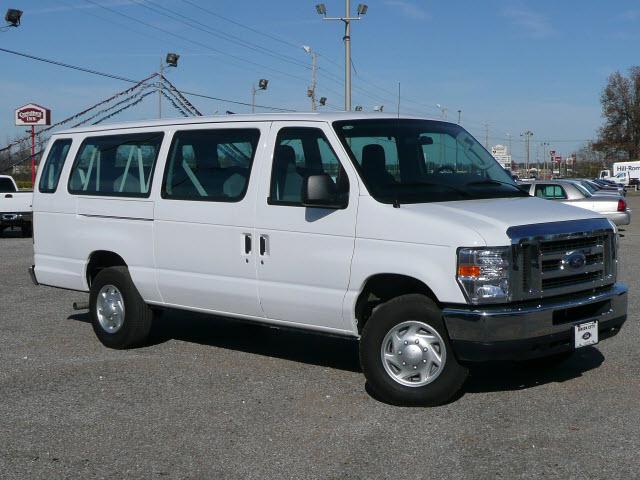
<point>320,191</point>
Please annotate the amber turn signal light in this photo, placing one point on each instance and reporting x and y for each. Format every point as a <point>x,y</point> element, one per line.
<point>468,271</point>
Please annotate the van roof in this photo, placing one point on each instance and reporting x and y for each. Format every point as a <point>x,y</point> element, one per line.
<point>260,117</point>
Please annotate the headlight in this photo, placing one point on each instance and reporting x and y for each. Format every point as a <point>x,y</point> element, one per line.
<point>483,274</point>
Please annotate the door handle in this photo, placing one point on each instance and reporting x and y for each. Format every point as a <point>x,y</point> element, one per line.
<point>8,195</point>
<point>263,245</point>
<point>247,243</point>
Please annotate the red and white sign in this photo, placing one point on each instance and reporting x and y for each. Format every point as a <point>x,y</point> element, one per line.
<point>32,114</point>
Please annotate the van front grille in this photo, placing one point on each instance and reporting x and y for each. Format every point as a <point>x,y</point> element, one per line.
<point>548,263</point>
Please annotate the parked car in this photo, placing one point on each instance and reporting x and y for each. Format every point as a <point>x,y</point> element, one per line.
<point>573,193</point>
<point>599,190</point>
<point>609,185</point>
<point>15,207</point>
<point>403,233</point>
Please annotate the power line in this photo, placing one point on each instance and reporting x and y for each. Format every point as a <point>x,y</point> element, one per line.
<point>129,80</point>
<point>195,42</point>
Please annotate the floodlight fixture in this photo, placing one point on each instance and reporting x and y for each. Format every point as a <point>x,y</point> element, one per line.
<point>263,83</point>
<point>172,59</point>
<point>323,101</point>
<point>13,17</point>
<point>362,9</point>
<point>321,9</point>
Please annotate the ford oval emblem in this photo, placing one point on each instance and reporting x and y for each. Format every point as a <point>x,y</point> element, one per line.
<point>586,336</point>
<point>576,261</point>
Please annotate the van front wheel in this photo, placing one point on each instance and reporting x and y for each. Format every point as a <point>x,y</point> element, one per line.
<point>119,316</point>
<point>406,355</point>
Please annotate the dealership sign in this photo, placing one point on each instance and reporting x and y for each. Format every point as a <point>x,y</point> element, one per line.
<point>32,114</point>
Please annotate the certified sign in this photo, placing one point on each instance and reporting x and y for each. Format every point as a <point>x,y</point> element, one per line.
<point>32,114</point>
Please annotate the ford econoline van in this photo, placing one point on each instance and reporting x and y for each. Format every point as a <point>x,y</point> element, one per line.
<point>404,233</point>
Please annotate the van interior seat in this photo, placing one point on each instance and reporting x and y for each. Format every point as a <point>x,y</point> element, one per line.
<point>374,165</point>
<point>287,178</point>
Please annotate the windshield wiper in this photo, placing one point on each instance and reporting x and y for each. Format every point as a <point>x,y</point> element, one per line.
<point>396,199</point>
<point>490,181</point>
<point>432,184</point>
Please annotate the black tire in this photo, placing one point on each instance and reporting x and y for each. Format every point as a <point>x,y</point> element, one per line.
<point>138,316</point>
<point>384,318</point>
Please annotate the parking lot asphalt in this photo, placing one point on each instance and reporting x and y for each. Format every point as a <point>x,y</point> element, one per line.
<point>215,399</point>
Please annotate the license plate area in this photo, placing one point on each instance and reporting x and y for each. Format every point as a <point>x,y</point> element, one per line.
<point>585,334</point>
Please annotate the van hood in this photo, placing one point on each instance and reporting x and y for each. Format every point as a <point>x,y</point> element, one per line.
<point>466,222</point>
<point>491,218</point>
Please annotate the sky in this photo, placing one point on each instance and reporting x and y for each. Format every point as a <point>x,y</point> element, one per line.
<point>515,65</point>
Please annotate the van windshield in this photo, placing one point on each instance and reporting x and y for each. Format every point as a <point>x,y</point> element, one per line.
<point>418,161</point>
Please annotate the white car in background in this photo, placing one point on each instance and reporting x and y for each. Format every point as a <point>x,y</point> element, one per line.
<point>572,192</point>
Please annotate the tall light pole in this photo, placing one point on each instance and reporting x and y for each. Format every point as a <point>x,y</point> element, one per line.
<point>321,9</point>
<point>443,111</point>
<point>527,134</point>
<point>459,117</point>
<point>172,61</point>
<point>311,91</point>
<point>262,85</point>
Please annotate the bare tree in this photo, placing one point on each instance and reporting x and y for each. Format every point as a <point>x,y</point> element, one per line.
<point>621,110</point>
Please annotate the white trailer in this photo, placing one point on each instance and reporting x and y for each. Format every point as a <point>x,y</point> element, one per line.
<point>626,173</point>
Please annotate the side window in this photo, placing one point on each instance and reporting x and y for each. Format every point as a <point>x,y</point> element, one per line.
<point>116,165</point>
<point>53,165</point>
<point>299,153</point>
<point>550,192</point>
<point>210,164</point>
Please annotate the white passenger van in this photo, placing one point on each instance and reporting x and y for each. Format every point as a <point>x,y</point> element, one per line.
<point>404,233</point>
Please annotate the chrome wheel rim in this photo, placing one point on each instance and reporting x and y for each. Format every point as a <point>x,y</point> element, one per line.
<point>110,309</point>
<point>413,353</point>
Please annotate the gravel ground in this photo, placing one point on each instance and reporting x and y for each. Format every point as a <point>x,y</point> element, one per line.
<point>215,399</point>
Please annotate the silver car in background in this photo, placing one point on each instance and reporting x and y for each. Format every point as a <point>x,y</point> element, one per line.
<point>597,190</point>
<point>572,192</point>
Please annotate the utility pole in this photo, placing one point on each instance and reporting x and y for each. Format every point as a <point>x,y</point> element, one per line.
<point>544,153</point>
<point>347,19</point>
<point>527,139</point>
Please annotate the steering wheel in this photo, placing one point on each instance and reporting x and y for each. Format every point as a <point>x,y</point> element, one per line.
<point>445,168</point>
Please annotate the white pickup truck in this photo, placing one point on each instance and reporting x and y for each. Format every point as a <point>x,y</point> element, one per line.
<point>15,207</point>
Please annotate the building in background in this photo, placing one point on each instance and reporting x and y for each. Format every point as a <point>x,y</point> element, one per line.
<point>502,156</point>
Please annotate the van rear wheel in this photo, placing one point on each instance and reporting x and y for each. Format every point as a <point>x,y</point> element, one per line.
<point>119,316</point>
<point>406,355</point>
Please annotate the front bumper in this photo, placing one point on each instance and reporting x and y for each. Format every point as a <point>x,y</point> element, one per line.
<point>532,329</point>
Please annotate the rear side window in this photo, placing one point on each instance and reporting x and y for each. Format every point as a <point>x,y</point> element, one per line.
<point>6,185</point>
<point>551,192</point>
<point>53,165</point>
<point>210,165</point>
<point>116,165</point>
